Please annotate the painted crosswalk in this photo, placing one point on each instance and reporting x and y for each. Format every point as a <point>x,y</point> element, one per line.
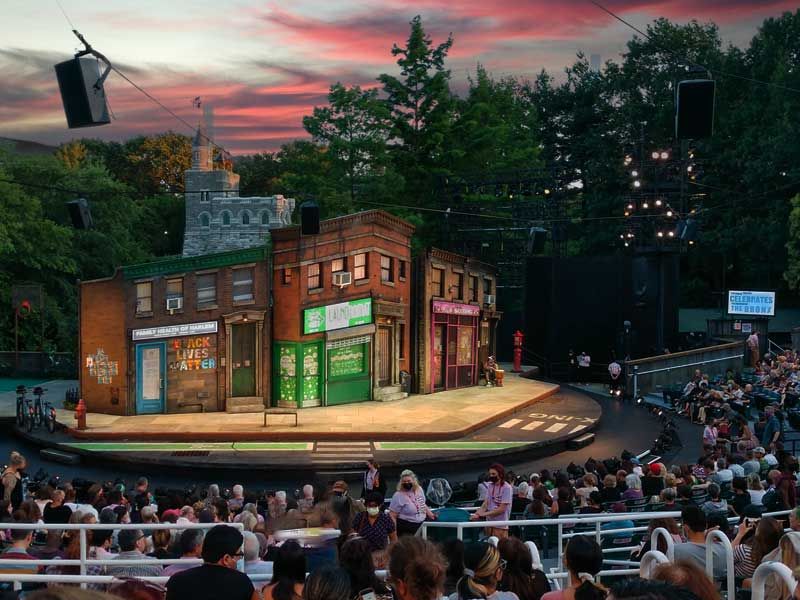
<point>532,425</point>
<point>336,453</point>
<point>544,423</point>
<point>510,423</point>
<point>555,427</point>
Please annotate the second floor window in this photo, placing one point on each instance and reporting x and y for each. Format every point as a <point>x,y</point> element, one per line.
<point>487,286</point>
<point>243,285</point>
<point>144,297</point>
<point>206,290</point>
<point>174,288</point>
<point>473,288</point>
<point>286,276</point>
<point>360,267</point>
<point>387,270</point>
<point>314,277</point>
<point>437,282</point>
<point>338,265</point>
<point>460,286</point>
<point>402,267</point>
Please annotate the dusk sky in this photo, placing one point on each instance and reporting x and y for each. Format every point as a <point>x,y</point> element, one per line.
<point>263,65</point>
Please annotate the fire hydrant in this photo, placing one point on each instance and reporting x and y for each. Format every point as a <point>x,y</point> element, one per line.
<point>518,337</point>
<point>80,414</point>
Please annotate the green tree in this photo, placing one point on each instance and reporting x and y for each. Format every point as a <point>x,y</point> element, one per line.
<point>355,128</point>
<point>259,174</point>
<point>72,154</point>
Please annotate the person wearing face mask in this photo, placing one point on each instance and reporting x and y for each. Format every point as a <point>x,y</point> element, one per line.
<point>377,527</point>
<point>497,505</point>
<point>408,508</point>
<point>221,574</point>
<point>373,480</point>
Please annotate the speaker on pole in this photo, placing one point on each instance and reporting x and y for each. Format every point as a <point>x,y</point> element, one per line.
<point>82,93</point>
<point>694,109</point>
<point>309,218</point>
<point>80,214</point>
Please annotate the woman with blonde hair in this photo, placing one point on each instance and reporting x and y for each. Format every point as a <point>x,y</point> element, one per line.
<point>408,507</point>
<point>12,480</point>
<point>483,570</point>
<point>788,552</point>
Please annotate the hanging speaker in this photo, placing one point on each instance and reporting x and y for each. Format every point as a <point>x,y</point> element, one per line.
<point>694,110</point>
<point>80,214</point>
<point>82,93</point>
<point>309,218</point>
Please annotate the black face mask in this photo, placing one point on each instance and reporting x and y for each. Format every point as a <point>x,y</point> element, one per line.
<point>408,486</point>
<point>493,478</point>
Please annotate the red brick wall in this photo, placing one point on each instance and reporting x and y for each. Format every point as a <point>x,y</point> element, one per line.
<point>102,326</point>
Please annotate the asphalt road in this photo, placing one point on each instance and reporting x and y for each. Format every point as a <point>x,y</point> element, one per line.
<point>623,426</point>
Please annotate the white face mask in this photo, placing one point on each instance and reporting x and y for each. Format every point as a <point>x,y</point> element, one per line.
<point>373,511</point>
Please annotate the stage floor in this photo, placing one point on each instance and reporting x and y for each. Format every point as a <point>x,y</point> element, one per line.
<point>442,416</point>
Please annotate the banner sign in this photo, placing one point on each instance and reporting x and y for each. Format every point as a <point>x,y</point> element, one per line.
<point>153,333</point>
<point>337,316</point>
<point>751,303</point>
<point>453,308</point>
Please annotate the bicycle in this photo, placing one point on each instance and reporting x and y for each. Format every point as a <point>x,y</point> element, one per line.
<point>38,412</point>
<point>29,416</point>
<point>49,416</point>
<point>21,391</point>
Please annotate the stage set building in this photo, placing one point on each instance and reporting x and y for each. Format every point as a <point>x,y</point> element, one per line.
<point>255,314</point>
<point>456,318</point>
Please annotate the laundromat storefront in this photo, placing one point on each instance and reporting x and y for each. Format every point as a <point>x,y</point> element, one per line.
<point>454,335</point>
<point>175,366</point>
<point>333,369</point>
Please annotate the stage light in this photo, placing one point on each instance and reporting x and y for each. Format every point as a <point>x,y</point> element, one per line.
<point>671,234</point>
<point>664,155</point>
<point>630,206</point>
<point>621,236</point>
<point>630,235</point>
<point>637,184</point>
<point>634,173</point>
<point>691,242</point>
<point>654,155</point>
<point>669,213</point>
<point>627,244</point>
<point>689,168</point>
<point>639,400</point>
<point>658,202</point>
<point>627,214</point>
<point>628,160</point>
<point>645,204</point>
<point>660,234</point>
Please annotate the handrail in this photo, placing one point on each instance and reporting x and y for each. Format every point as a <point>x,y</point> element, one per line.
<point>766,569</point>
<point>650,560</point>
<point>770,344</point>
<point>694,364</point>
<point>535,556</point>
<point>661,532</point>
<point>711,538</point>
<point>639,361</point>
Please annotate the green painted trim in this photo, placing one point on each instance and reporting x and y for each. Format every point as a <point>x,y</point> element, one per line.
<point>449,445</point>
<point>179,264</point>
<point>290,446</point>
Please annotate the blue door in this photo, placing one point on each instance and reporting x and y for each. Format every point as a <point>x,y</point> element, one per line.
<point>151,383</point>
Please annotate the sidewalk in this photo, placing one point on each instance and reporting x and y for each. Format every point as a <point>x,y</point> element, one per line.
<point>54,394</point>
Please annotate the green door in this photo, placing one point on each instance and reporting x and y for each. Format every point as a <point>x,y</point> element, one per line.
<point>298,369</point>
<point>243,359</point>
<point>348,371</point>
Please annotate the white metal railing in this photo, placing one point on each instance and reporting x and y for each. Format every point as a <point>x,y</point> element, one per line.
<point>650,561</point>
<point>661,532</point>
<point>764,570</point>
<point>636,373</point>
<point>771,345</point>
<point>717,537</point>
<point>84,561</point>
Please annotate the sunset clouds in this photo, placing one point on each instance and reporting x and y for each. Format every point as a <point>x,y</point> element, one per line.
<point>263,65</point>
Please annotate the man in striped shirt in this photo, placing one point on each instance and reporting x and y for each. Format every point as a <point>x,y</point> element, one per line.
<point>132,545</point>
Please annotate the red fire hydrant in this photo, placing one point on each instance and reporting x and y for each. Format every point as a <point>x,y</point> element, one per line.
<point>80,414</point>
<point>518,337</point>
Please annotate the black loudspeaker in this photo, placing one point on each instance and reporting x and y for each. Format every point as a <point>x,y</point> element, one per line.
<point>694,110</point>
<point>309,218</point>
<point>537,236</point>
<point>84,100</point>
<point>80,214</point>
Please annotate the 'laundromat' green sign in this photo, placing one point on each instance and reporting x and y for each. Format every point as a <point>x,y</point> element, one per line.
<point>337,316</point>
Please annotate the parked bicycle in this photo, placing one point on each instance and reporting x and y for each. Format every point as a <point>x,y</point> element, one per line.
<point>49,416</point>
<point>38,410</point>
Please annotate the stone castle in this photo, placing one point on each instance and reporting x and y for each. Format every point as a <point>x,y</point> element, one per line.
<point>217,218</point>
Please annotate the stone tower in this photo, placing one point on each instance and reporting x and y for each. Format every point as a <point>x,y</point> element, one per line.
<point>217,218</point>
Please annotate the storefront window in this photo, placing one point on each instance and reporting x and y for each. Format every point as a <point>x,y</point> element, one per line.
<point>360,267</point>
<point>243,285</point>
<point>206,290</point>
<point>144,297</point>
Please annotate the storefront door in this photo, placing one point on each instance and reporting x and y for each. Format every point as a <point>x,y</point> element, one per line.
<point>151,362</point>
<point>384,356</point>
<point>243,359</point>
<point>298,374</point>
<point>438,356</point>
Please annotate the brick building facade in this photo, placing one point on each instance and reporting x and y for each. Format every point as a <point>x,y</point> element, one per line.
<point>342,302</point>
<point>455,320</point>
<point>178,334</point>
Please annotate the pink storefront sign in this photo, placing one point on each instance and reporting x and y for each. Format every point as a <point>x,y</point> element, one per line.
<point>453,308</point>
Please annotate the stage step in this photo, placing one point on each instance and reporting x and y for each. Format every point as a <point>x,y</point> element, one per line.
<point>581,441</point>
<point>244,405</point>
<point>389,393</point>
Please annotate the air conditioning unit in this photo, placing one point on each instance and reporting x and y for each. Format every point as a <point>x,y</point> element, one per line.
<point>489,299</point>
<point>174,304</point>
<point>342,278</point>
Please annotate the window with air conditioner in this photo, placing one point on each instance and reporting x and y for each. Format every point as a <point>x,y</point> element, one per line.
<point>342,278</point>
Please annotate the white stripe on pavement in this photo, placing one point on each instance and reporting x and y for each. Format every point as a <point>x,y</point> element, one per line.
<point>510,423</point>
<point>533,425</point>
<point>555,428</point>
<point>578,428</point>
